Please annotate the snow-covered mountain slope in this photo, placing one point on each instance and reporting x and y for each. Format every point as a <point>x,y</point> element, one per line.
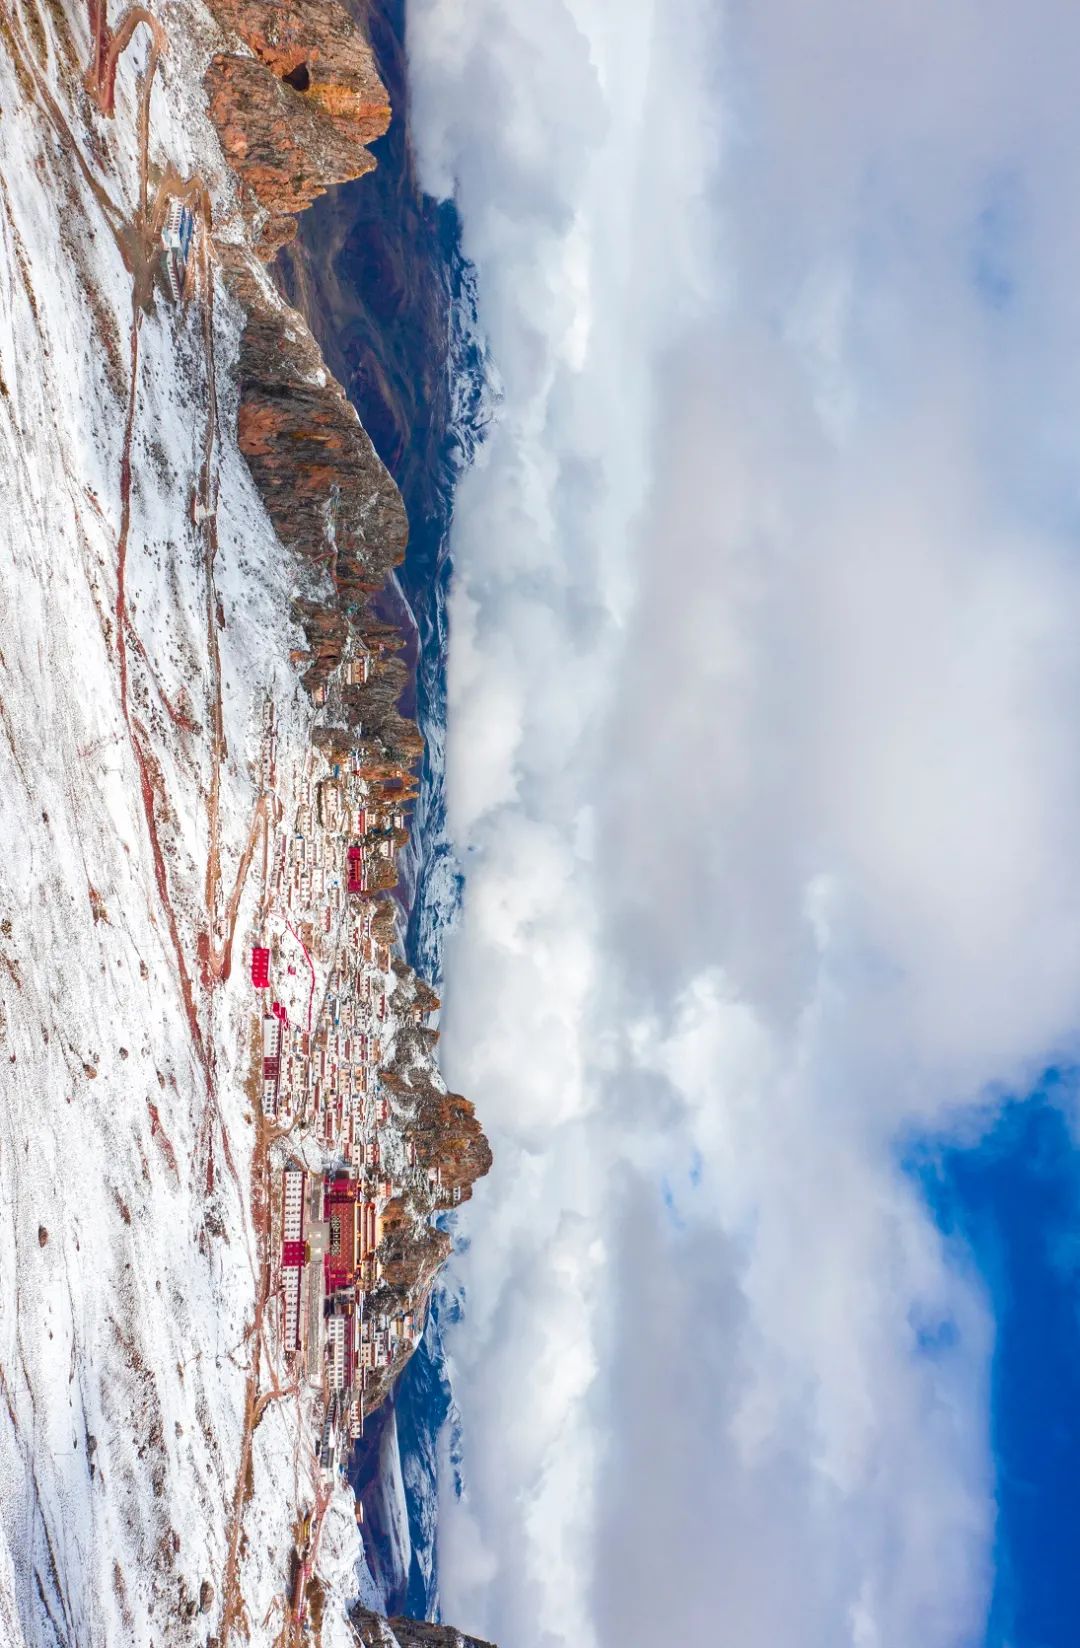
<point>125,1173</point>
<point>156,1462</point>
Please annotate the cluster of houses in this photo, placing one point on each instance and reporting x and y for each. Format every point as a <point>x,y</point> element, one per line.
<point>322,1044</point>
<point>323,974</point>
<point>331,1229</point>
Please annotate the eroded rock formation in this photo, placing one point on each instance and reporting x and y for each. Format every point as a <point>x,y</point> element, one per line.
<point>294,117</point>
<point>448,1153</point>
<point>328,496</point>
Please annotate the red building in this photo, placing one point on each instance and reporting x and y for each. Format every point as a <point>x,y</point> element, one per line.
<point>260,967</point>
<point>357,880</point>
<point>340,1212</point>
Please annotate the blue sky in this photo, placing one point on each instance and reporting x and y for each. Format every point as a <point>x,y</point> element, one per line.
<point>1014,1203</point>
<point>762,758</point>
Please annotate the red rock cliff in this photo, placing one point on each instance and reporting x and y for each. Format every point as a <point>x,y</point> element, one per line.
<point>328,495</point>
<point>295,115</point>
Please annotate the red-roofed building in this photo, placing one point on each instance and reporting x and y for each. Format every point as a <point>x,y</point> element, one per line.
<point>340,1212</point>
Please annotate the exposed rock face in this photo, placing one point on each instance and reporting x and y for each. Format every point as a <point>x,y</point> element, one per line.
<point>448,1153</point>
<point>328,496</point>
<point>443,1128</point>
<point>444,1131</point>
<point>294,117</point>
<point>375,1632</point>
<point>367,268</point>
<point>317,47</point>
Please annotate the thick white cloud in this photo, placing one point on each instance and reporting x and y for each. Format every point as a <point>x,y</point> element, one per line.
<point>762,762</point>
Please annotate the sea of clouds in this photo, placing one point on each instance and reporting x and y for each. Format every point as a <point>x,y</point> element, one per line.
<point>764,768</point>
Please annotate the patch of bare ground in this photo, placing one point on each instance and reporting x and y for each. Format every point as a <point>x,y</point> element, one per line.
<point>106,327</point>
<point>22,262</point>
<point>22,72</point>
<point>63,41</point>
<point>35,28</point>
<point>120,1590</point>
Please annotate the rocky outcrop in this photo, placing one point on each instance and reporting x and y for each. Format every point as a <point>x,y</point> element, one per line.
<point>432,1150</point>
<point>294,104</point>
<point>445,1136</point>
<point>444,1130</point>
<point>294,116</point>
<point>411,1255</point>
<point>450,1152</point>
<point>327,494</point>
<point>315,47</point>
<point>368,268</point>
<point>373,1631</point>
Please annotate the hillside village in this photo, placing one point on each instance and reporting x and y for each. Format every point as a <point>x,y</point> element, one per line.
<point>362,1143</point>
<point>365,1145</point>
